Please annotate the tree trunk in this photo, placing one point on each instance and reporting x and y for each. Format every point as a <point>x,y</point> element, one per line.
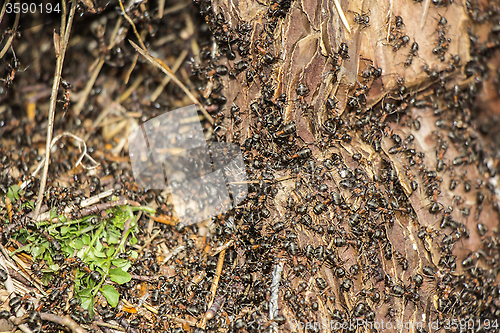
<point>388,179</point>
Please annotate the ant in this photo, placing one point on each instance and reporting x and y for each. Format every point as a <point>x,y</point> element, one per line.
<point>413,53</point>
<point>66,99</point>
<point>13,67</point>
<point>400,42</point>
<point>395,30</point>
<point>362,19</point>
<point>370,71</point>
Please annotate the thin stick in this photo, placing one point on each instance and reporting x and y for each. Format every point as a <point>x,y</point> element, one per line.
<point>273,300</point>
<point>88,87</point>
<point>176,8</point>
<point>9,285</point>
<point>12,261</point>
<point>221,248</point>
<point>133,25</point>
<point>70,213</point>
<point>63,321</point>
<point>18,321</point>
<point>167,79</point>
<point>133,87</point>
<point>114,34</point>
<point>215,283</point>
<point>96,198</point>
<point>173,253</point>
<point>342,16</point>
<point>114,327</point>
<point>95,72</point>
<point>426,9</point>
<point>11,38</point>
<point>4,8</point>
<point>148,241</point>
<point>258,181</point>
<point>132,66</point>
<point>10,211</point>
<point>164,68</point>
<point>78,162</point>
<point>150,308</point>
<point>161,7</point>
<point>53,98</point>
<point>180,320</point>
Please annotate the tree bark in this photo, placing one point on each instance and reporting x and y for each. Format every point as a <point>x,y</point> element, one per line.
<point>410,157</point>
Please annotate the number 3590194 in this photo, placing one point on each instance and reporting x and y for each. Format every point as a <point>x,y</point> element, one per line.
<point>32,8</point>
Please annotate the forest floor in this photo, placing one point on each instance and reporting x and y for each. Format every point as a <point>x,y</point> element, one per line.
<point>114,246</point>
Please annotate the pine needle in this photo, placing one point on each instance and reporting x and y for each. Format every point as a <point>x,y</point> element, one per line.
<point>165,69</point>
<point>342,16</point>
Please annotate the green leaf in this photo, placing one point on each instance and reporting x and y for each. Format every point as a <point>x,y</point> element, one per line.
<point>54,267</point>
<point>113,236</point>
<point>86,239</point>
<point>37,251</point>
<point>13,193</point>
<point>127,266</point>
<point>46,278</point>
<point>100,262</point>
<point>133,254</point>
<point>120,217</point>
<point>119,262</point>
<point>87,303</point>
<point>87,292</point>
<point>122,263</point>
<point>111,294</point>
<point>99,247</point>
<point>77,243</point>
<point>119,276</point>
<point>99,254</point>
<point>65,230</point>
<point>110,251</point>
<point>53,214</point>
<point>28,204</point>
<point>68,250</point>
<point>26,248</point>
<point>133,240</point>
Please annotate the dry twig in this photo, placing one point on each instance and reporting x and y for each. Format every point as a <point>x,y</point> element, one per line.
<point>273,300</point>
<point>164,68</point>
<point>342,15</point>
<point>9,285</point>
<point>426,10</point>
<point>63,321</point>
<point>167,79</point>
<point>78,162</point>
<point>133,25</point>
<point>114,327</point>
<point>13,32</point>
<point>219,249</point>
<point>60,52</point>
<point>215,283</point>
<point>88,87</point>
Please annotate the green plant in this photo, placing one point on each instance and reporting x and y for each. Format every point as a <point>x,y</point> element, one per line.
<point>95,241</point>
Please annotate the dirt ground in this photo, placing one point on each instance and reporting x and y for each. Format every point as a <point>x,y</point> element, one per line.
<point>98,253</point>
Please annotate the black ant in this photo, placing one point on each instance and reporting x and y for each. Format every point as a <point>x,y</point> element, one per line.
<point>400,42</point>
<point>66,101</point>
<point>371,71</point>
<point>395,31</point>
<point>362,19</point>
<point>13,67</point>
<point>413,52</point>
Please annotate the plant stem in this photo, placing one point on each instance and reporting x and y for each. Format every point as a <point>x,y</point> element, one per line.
<point>53,98</point>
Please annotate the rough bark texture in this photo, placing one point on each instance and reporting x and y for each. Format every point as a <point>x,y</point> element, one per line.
<point>397,144</point>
